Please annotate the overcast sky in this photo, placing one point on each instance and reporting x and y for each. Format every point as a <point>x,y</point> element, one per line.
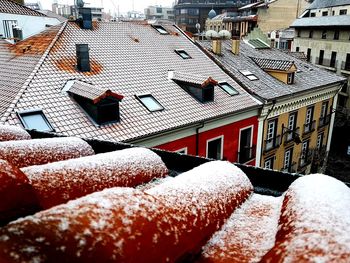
<point>112,5</point>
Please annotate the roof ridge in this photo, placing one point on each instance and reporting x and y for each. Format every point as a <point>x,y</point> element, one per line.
<point>25,7</point>
<point>24,87</point>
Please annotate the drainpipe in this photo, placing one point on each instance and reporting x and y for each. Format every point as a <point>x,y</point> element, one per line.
<point>197,137</point>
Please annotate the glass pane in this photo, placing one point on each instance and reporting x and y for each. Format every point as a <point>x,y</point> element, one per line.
<point>214,149</point>
<point>228,88</point>
<point>36,121</point>
<point>151,103</point>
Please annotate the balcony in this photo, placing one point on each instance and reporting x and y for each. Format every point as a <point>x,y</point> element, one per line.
<point>290,135</point>
<point>345,67</point>
<point>309,127</point>
<point>323,121</point>
<point>247,154</point>
<point>328,64</point>
<point>292,168</point>
<point>272,143</point>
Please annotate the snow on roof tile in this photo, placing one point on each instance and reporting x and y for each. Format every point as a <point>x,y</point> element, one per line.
<point>11,7</point>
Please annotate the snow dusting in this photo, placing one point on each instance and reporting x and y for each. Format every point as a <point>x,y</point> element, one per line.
<point>59,182</point>
<point>315,222</point>
<point>40,151</point>
<point>12,133</point>
<point>248,234</point>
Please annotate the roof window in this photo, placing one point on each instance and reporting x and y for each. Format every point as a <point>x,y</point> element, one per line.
<point>182,53</point>
<point>160,29</point>
<point>35,120</point>
<point>150,102</point>
<point>228,88</point>
<point>249,75</point>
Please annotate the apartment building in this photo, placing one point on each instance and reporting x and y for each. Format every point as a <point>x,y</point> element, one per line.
<point>159,12</point>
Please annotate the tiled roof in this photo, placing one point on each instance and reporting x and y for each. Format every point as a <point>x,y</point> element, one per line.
<point>53,15</point>
<point>92,92</point>
<point>322,21</point>
<point>18,61</point>
<point>308,76</point>
<point>295,54</point>
<point>266,63</point>
<point>258,44</point>
<point>193,79</point>
<point>10,7</point>
<point>328,3</point>
<point>132,210</point>
<point>129,59</point>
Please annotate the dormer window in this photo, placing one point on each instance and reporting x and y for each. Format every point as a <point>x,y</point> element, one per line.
<point>35,120</point>
<point>150,102</point>
<point>228,88</point>
<point>101,105</point>
<point>290,79</point>
<point>161,30</point>
<point>182,53</point>
<point>201,88</point>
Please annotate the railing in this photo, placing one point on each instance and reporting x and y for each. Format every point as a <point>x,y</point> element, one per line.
<point>272,143</point>
<point>309,127</point>
<point>291,134</point>
<point>323,121</point>
<point>292,168</point>
<point>247,154</point>
<point>345,65</point>
<point>326,62</point>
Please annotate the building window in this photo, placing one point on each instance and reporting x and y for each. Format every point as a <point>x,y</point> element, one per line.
<point>333,59</point>
<point>228,88</point>
<point>347,62</point>
<point>298,33</point>
<point>214,148</point>
<point>297,49</point>
<point>325,13</point>
<point>182,53</point>
<point>8,27</point>
<point>150,102</point>
<point>160,29</point>
<point>183,11</point>
<point>182,150</point>
<point>268,164</point>
<point>336,35</point>
<point>320,58</point>
<point>245,145</point>
<point>313,14</point>
<point>308,54</point>
<point>333,13</point>
<point>35,120</point>
<point>343,12</point>
<point>271,138</point>
<point>159,10</point>
<point>324,34</point>
<point>292,122</point>
<point>308,127</point>
<point>288,157</point>
<point>311,33</point>
<point>290,78</point>
<point>249,75</point>
<point>319,141</point>
<point>304,156</point>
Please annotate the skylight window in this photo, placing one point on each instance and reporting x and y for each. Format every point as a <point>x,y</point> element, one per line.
<point>35,120</point>
<point>182,53</point>
<point>150,102</point>
<point>160,29</point>
<point>249,75</point>
<point>228,88</point>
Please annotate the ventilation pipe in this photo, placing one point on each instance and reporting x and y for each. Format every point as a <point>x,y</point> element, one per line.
<point>235,46</point>
<point>217,46</point>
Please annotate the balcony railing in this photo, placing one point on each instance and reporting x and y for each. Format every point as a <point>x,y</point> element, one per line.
<point>246,154</point>
<point>292,168</point>
<point>290,135</point>
<point>323,121</point>
<point>345,65</point>
<point>309,127</point>
<point>272,143</point>
<point>326,62</point>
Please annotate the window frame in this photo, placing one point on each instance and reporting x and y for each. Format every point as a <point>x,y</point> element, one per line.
<point>290,78</point>
<point>222,84</point>
<point>290,156</point>
<point>22,114</point>
<point>183,150</point>
<point>182,51</point>
<point>272,162</point>
<point>139,98</point>
<point>221,137</point>
<point>160,29</point>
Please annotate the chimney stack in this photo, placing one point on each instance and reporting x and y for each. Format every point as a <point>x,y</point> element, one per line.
<point>235,46</point>
<point>85,18</point>
<point>83,59</point>
<point>217,46</point>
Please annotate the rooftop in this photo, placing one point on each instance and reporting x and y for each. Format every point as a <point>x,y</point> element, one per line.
<point>273,64</point>
<point>308,77</point>
<point>317,4</point>
<point>322,21</point>
<point>11,7</point>
<point>117,65</point>
<point>121,197</point>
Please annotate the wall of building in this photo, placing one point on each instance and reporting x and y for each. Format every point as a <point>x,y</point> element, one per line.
<point>158,12</point>
<point>280,14</point>
<point>332,11</point>
<point>30,25</point>
<point>230,133</point>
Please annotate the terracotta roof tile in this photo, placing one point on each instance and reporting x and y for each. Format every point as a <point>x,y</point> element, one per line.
<point>11,7</point>
<point>265,63</point>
